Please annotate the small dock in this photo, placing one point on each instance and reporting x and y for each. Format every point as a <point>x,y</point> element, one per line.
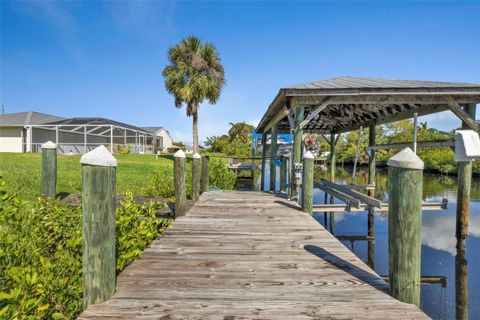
<point>249,255</point>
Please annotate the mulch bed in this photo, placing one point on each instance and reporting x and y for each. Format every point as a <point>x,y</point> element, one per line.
<point>75,199</point>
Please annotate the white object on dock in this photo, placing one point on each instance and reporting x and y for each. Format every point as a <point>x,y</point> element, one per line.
<point>467,145</point>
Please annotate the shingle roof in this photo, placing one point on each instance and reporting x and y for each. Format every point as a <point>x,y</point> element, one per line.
<point>152,129</point>
<point>26,118</point>
<point>348,82</point>
<point>352,102</point>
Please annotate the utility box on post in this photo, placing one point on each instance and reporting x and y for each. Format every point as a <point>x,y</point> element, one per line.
<point>467,145</point>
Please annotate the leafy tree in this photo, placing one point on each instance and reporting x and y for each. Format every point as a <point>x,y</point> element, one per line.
<point>195,74</point>
<point>236,143</point>
<point>217,143</point>
<point>180,144</point>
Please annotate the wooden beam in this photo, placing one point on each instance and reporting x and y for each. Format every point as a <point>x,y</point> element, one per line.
<point>314,113</point>
<point>460,113</point>
<point>282,113</point>
<point>424,110</point>
<point>354,194</point>
<point>340,207</point>
<point>420,144</point>
<point>383,99</point>
<point>349,200</point>
<point>355,238</point>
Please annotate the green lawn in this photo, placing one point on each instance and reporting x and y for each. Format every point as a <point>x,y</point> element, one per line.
<point>22,172</point>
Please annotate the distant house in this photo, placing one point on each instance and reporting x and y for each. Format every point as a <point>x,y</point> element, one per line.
<point>166,141</point>
<point>27,131</point>
<point>17,133</point>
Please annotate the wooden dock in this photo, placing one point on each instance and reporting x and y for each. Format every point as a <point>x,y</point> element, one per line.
<point>249,255</point>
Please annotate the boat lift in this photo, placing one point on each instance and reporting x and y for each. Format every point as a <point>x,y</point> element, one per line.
<point>356,201</point>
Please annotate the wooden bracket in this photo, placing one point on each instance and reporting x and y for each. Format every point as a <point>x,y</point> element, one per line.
<point>314,113</point>
<point>460,113</point>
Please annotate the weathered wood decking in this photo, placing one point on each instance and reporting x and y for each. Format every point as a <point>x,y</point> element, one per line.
<point>249,255</point>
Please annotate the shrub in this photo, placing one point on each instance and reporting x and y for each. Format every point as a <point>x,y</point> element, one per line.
<point>136,227</point>
<point>124,149</point>
<point>160,184</point>
<point>41,258</point>
<point>220,176</point>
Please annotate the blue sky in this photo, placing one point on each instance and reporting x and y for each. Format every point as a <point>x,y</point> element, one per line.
<point>105,58</point>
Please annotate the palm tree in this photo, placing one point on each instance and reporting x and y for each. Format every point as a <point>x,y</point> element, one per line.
<point>195,74</point>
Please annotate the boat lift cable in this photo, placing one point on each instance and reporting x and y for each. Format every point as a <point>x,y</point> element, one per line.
<point>356,154</point>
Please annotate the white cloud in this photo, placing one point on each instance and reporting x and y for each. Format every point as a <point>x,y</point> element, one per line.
<point>438,230</point>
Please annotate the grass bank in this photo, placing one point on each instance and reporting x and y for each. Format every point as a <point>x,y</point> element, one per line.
<point>22,172</point>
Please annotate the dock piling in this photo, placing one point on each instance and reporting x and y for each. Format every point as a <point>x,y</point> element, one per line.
<point>273,157</point>
<point>205,182</point>
<point>98,210</point>
<point>283,174</point>
<point>48,183</point>
<point>297,147</point>
<point>179,182</point>
<point>196,177</point>
<point>405,173</point>
<point>307,183</point>
<point>464,186</point>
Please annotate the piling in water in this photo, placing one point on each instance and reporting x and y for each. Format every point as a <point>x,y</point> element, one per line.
<point>405,176</point>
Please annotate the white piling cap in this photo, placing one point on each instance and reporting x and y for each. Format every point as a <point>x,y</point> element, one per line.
<point>406,159</point>
<point>49,145</point>
<point>197,156</point>
<point>179,154</point>
<point>100,156</point>
<point>308,155</point>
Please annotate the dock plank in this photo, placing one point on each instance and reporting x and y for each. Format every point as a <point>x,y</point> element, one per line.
<point>249,255</point>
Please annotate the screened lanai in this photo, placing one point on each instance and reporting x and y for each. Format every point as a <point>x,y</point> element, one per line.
<point>80,135</point>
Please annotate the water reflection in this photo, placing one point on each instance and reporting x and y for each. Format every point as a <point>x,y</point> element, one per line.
<point>461,282</point>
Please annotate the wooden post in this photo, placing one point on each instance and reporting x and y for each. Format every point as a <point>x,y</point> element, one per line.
<point>461,282</point>
<point>98,241</point>
<point>264,161</point>
<point>332,178</point>
<point>252,163</point>
<point>464,185</point>
<point>196,177</point>
<point>297,148</point>
<point>307,183</point>
<point>273,157</point>
<point>283,174</point>
<point>205,183</point>
<point>405,176</point>
<point>371,193</point>
<point>48,183</point>
<point>179,182</point>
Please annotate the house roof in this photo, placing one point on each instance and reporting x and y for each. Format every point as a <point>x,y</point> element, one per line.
<point>348,82</point>
<point>347,103</point>
<point>153,129</point>
<point>156,129</point>
<point>26,118</point>
<point>96,121</point>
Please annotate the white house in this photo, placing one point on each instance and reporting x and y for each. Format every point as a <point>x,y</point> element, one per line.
<point>166,141</point>
<point>27,131</point>
<point>16,133</point>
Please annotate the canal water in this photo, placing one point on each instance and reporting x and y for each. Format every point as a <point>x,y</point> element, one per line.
<point>440,257</point>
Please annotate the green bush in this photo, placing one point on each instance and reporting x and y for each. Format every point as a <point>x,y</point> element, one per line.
<point>220,176</point>
<point>160,184</point>
<point>136,227</point>
<point>124,149</point>
<point>40,253</point>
